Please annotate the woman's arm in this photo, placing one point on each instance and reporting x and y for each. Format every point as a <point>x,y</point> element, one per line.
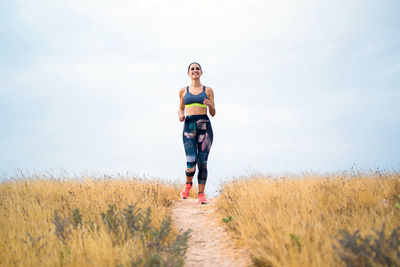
<point>210,101</point>
<point>181,111</point>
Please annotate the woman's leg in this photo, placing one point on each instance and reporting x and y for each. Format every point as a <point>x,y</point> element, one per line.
<point>204,145</point>
<point>189,143</point>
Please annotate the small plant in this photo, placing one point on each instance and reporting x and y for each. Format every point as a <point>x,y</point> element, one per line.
<point>33,241</point>
<point>132,222</point>
<point>111,219</point>
<point>64,255</point>
<point>146,223</point>
<point>296,241</point>
<point>76,218</point>
<point>159,252</point>
<point>156,240</point>
<point>132,219</point>
<point>135,221</point>
<point>179,247</point>
<point>62,225</point>
<point>397,205</point>
<point>228,219</point>
<point>370,250</point>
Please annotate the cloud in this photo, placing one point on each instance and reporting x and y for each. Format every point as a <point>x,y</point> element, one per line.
<point>298,85</point>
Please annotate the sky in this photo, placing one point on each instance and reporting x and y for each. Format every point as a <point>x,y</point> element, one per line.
<point>300,86</point>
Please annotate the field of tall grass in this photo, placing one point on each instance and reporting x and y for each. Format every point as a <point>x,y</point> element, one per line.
<point>314,220</point>
<point>349,219</point>
<point>122,221</point>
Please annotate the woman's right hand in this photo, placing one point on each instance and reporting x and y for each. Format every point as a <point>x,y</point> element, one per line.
<point>182,117</point>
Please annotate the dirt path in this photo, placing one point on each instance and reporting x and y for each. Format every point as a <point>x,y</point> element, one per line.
<point>209,244</point>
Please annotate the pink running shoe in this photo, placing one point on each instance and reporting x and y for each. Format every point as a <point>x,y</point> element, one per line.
<point>202,198</point>
<point>185,193</point>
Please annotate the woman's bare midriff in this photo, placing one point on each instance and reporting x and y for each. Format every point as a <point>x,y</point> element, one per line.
<point>195,111</point>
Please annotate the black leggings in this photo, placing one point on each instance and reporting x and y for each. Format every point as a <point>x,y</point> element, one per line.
<point>197,140</point>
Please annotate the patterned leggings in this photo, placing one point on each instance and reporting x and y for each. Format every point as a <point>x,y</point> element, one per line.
<point>197,140</point>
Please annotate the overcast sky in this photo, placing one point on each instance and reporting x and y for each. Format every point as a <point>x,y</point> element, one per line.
<point>299,85</point>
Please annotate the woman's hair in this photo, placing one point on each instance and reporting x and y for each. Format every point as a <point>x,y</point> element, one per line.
<point>192,64</point>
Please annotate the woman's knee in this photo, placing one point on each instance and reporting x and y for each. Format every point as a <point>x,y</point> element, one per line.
<point>202,166</point>
<point>190,171</point>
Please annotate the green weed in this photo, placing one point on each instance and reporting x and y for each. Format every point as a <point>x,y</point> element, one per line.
<point>371,250</point>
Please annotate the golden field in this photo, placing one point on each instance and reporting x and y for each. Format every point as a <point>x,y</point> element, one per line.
<point>296,221</point>
<point>87,222</point>
<point>123,221</point>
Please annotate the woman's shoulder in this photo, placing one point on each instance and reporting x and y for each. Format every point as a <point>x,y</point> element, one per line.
<point>209,90</point>
<point>182,90</point>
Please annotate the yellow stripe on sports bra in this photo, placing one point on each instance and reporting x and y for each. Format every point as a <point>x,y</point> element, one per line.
<point>196,105</point>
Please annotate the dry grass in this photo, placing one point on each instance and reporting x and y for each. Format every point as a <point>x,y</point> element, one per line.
<point>294,221</point>
<point>27,213</point>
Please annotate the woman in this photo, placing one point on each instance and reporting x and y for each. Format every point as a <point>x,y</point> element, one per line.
<point>197,131</point>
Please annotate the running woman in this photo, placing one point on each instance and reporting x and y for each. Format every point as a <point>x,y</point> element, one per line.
<point>197,131</point>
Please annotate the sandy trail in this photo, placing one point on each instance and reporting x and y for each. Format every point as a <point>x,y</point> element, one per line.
<point>209,244</point>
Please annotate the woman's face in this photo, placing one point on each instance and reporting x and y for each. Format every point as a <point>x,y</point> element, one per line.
<point>195,71</point>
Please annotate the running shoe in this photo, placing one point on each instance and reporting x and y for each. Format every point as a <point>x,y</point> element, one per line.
<point>202,198</point>
<point>185,193</point>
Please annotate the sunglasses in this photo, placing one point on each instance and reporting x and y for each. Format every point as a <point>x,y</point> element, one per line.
<point>197,68</point>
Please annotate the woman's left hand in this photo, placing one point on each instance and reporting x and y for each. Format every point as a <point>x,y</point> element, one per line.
<point>206,102</point>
